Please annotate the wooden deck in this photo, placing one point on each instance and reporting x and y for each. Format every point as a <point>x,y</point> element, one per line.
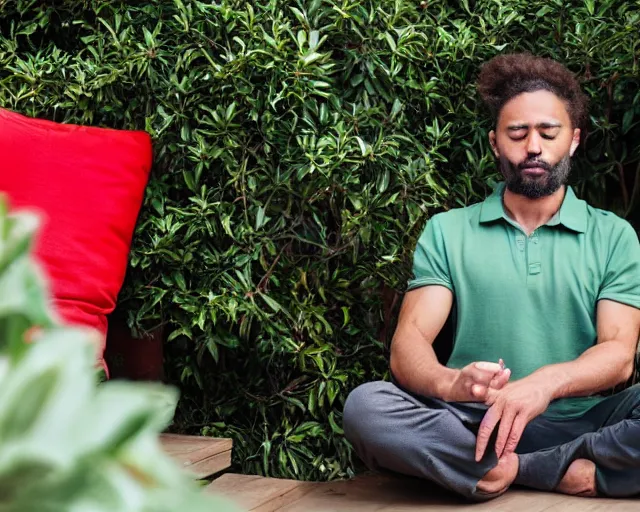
<point>201,456</point>
<point>381,493</point>
<point>205,457</point>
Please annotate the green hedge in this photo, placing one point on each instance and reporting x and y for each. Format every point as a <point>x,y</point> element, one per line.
<point>299,149</point>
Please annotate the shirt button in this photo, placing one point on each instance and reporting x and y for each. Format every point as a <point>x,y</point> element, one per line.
<point>534,268</point>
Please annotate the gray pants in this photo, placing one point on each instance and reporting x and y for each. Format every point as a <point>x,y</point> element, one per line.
<point>428,438</point>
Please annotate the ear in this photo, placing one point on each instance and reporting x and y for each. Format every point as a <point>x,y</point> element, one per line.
<point>494,145</point>
<point>575,141</point>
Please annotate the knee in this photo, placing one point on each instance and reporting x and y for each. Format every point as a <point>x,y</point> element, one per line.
<point>634,392</point>
<point>363,405</point>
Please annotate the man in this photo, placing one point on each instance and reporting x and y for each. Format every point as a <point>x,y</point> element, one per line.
<point>536,279</point>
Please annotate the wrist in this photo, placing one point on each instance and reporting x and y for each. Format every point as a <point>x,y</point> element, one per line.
<point>551,381</point>
<point>445,384</point>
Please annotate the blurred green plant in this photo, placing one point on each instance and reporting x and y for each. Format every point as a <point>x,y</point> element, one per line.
<point>300,147</point>
<point>67,444</point>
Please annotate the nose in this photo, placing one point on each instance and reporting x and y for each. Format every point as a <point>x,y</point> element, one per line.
<point>534,145</point>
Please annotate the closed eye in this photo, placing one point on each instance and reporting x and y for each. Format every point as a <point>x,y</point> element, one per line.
<point>517,133</point>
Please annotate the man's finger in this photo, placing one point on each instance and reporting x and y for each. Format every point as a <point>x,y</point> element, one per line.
<point>488,367</point>
<point>519,424</point>
<point>478,391</point>
<point>504,431</point>
<point>483,373</point>
<point>488,424</point>
<point>501,379</point>
<point>491,396</point>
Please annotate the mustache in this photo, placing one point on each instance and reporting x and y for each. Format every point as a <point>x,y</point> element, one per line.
<point>528,164</point>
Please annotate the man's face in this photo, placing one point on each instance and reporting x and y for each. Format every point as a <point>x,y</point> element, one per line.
<point>534,141</point>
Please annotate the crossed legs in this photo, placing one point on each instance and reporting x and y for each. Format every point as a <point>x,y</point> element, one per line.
<point>431,439</point>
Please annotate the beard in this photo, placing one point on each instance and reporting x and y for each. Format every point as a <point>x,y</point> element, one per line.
<point>535,187</point>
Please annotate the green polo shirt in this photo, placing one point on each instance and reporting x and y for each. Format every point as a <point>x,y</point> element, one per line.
<point>530,300</point>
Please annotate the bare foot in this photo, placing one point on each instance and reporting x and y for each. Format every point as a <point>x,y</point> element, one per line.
<point>580,479</point>
<point>501,477</point>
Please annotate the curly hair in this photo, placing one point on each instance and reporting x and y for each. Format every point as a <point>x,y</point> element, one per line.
<point>507,76</point>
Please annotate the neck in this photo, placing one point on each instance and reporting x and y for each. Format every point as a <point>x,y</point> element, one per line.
<point>532,213</point>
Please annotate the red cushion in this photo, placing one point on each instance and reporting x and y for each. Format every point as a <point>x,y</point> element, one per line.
<point>88,183</point>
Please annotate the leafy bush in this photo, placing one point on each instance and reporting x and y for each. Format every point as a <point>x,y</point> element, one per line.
<point>299,149</point>
<point>65,444</point>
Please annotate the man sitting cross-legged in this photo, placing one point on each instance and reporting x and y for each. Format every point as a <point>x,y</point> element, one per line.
<point>538,279</point>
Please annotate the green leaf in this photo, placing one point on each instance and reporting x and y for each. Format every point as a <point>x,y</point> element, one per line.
<point>383,181</point>
<point>332,391</point>
<point>543,11</point>
<point>363,146</point>
<point>212,347</point>
<point>189,180</point>
<point>299,15</point>
<point>345,312</point>
<point>271,303</point>
<point>334,426</point>
<point>314,37</point>
<point>293,461</point>
<point>266,452</point>
<point>390,41</point>
<point>282,458</point>
<point>296,402</point>
<point>60,424</point>
<point>230,111</point>
<point>397,106</point>
<point>590,4</point>
<point>311,57</point>
<point>260,217</point>
<point>627,121</point>
<point>312,402</point>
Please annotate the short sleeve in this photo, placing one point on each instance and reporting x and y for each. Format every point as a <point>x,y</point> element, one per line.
<point>621,281</point>
<point>430,265</point>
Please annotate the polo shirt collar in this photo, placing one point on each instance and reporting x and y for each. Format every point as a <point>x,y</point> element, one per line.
<point>572,213</point>
<point>492,209</point>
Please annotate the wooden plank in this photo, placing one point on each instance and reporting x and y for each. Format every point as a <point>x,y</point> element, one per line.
<point>201,456</point>
<point>379,493</point>
<point>259,494</point>
<point>385,494</point>
<point>208,467</point>
<point>596,505</point>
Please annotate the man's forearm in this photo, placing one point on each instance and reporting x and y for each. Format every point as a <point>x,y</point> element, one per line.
<point>600,368</point>
<point>416,368</point>
<point>413,361</point>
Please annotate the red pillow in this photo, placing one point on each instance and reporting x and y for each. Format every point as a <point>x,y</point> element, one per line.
<point>88,184</point>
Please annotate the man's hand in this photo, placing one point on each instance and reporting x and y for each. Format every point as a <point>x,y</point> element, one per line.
<point>513,407</point>
<point>473,382</point>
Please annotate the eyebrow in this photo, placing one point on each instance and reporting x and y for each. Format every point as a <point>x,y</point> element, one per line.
<point>546,125</point>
